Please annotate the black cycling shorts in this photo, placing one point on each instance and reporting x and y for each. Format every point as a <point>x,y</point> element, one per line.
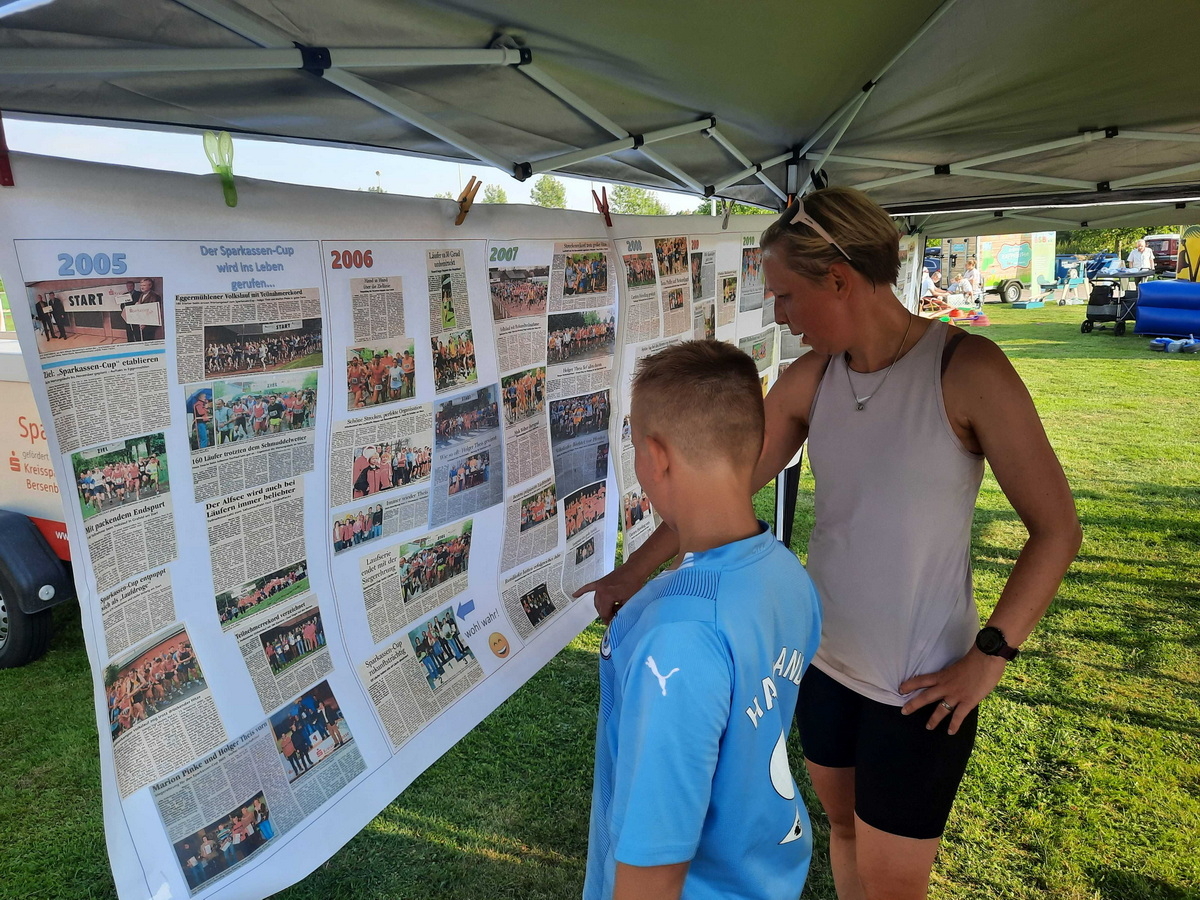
<point>905,776</point>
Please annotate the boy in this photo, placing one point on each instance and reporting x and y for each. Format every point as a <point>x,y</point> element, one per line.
<point>693,793</point>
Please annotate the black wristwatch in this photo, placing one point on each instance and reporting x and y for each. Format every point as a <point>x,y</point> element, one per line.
<point>991,641</point>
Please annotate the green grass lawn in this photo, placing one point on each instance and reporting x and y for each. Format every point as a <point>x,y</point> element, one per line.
<point>1085,783</point>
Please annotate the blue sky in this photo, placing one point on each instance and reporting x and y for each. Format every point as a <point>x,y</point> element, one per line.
<point>278,161</point>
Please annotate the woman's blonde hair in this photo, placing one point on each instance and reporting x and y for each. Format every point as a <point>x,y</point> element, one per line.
<point>854,220</point>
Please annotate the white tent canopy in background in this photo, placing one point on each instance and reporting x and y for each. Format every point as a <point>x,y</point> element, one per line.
<point>950,107</point>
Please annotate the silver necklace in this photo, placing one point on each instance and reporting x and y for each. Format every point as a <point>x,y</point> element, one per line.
<point>862,401</point>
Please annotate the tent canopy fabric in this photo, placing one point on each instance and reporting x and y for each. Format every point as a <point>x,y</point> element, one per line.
<point>961,105</point>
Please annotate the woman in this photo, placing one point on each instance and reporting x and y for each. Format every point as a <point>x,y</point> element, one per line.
<point>900,413</point>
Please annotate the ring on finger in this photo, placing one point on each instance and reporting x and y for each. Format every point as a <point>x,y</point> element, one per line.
<point>946,706</point>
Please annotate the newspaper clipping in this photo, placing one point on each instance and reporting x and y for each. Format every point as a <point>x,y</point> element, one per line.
<point>535,596</point>
<point>246,332</point>
<point>222,810</point>
<point>251,430</point>
<point>389,517</point>
<point>377,307</point>
<point>751,296</point>
<point>675,284</point>
<point>257,549</point>
<point>124,496</point>
<point>381,372</point>
<point>285,650</point>
<point>727,303</point>
<point>519,297</point>
<point>468,463</point>
<point>381,452</point>
<point>530,525</point>
<point>411,579</point>
<point>161,712</point>
<point>137,609</point>
<point>526,442</point>
<point>413,679</point>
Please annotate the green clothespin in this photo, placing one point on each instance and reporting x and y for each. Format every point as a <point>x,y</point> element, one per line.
<point>219,150</point>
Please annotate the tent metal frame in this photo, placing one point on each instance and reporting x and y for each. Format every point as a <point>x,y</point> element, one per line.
<point>277,51</point>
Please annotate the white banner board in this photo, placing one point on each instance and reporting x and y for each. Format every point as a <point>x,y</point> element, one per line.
<point>329,511</point>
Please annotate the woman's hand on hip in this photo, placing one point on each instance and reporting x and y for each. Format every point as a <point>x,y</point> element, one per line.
<point>956,689</point>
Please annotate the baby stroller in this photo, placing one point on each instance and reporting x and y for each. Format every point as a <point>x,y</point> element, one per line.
<point>1109,303</point>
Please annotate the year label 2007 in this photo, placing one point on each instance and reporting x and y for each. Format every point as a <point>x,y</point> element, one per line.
<point>92,264</point>
<point>503,254</point>
<point>350,259</point>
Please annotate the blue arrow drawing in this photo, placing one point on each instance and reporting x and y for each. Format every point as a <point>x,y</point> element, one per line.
<point>467,607</point>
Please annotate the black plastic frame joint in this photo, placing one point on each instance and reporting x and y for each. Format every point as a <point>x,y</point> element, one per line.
<point>314,59</point>
<point>1112,131</point>
<point>1103,186</point>
<point>638,141</point>
<point>943,169</point>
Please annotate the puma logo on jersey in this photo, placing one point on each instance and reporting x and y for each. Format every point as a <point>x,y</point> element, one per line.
<point>662,679</point>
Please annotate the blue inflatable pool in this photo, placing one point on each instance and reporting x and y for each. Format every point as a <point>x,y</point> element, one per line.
<point>1168,307</point>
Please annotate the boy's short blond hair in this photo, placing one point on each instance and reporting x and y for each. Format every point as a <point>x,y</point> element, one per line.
<point>704,398</point>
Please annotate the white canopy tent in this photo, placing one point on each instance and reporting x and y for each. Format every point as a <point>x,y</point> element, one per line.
<point>993,116</point>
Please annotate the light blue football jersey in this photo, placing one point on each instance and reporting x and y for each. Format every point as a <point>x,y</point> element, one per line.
<point>699,674</point>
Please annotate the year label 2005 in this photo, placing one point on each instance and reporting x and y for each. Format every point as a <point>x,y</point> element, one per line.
<point>92,264</point>
<point>350,259</point>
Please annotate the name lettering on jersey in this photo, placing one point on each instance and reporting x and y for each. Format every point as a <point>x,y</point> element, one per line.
<point>789,667</point>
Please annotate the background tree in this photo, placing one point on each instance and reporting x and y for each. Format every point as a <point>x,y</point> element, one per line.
<point>635,201</point>
<point>1094,240</point>
<point>739,209</point>
<point>443,195</point>
<point>549,192</point>
<point>493,193</point>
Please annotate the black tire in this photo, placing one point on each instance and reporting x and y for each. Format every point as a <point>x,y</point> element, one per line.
<point>1010,292</point>
<point>1086,327</point>
<point>23,637</point>
<point>1119,329</point>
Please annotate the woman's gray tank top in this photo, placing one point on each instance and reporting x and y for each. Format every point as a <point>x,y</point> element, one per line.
<point>890,550</point>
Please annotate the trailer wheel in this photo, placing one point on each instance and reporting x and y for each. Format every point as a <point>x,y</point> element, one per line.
<point>1010,291</point>
<point>23,636</point>
<point>1119,329</point>
<point>1086,326</point>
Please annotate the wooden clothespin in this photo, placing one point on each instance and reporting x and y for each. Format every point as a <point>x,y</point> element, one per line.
<point>602,205</point>
<point>6,175</point>
<point>466,198</point>
<point>725,220</point>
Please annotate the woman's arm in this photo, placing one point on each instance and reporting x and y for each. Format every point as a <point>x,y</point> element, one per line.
<point>987,401</point>
<point>786,407</point>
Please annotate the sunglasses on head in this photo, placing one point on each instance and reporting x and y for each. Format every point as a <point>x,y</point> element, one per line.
<point>803,218</point>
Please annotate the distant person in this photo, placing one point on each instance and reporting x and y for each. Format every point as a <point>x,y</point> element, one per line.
<point>149,295</point>
<point>44,312</point>
<point>932,293</point>
<point>60,314</point>
<point>975,279</point>
<point>132,332</point>
<point>700,668</point>
<point>1141,257</point>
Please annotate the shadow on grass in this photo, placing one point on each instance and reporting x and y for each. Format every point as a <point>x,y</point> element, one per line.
<point>1113,884</point>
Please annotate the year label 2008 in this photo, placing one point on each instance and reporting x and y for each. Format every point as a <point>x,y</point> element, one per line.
<point>92,264</point>
<point>350,259</point>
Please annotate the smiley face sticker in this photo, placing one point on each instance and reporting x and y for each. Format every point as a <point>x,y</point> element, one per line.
<point>498,644</point>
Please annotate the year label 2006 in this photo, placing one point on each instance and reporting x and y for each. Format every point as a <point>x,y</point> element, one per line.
<point>92,264</point>
<point>350,259</point>
<point>503,254</point>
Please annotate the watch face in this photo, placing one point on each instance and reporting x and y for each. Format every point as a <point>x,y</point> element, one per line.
<point>989,640</point>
